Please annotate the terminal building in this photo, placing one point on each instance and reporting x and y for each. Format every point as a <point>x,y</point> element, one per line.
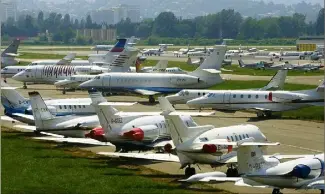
<point>310,43</point>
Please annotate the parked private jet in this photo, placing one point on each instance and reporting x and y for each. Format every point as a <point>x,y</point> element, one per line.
<point>9,54</point>
<point>206,75</point>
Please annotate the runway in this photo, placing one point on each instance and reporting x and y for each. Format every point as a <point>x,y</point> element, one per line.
<point>295,136</point>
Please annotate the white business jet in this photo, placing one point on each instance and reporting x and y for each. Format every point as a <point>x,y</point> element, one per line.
<point>276,83</point>
<point>264,102</point>
<point>13,102</point>
<point>258,170</point>
<point>206,75</point>
<point>199,144</point>
<point>55,73</point>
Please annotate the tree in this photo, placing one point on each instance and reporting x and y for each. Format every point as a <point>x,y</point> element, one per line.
<point>165,25</point>
<point>319,26</point>
<point>40,19</point>
<point>89,22</point>
<point>66,21</point>
<point>76,24</point>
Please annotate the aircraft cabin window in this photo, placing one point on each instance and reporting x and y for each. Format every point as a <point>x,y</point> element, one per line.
<point>232,139</point>
<point>65,107</point>
<point>240,137</point>
<point>60,107</point>
<point>242,96</point>
<point>70,107</point>
<point>236,137</point>
<point>79,106</point>
<point>75,107</point>
<point>199,93</point>
<point>249,96</point>
<point>265,96</point>
<point>234,96</point>
<point>228,138</point>
<point>256,96</point>
<point>247,136</point>
<point>203,94</point>
<point>84,106</point>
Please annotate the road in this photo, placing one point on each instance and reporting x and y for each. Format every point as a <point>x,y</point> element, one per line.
<point>295,136</point>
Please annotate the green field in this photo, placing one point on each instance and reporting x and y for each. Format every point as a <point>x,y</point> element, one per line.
<point>29,166</point>
<point>236,69</point>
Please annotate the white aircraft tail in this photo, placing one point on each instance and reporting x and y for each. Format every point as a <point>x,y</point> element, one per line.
<point>241,63</point>
<point>214,61</point>
<point>179,132</point>
<point>11,99</point>
<point>40,111</point>
<point>67,59</point>
<point>162,64</point>
<point>277,81</point>
<point>250,157</point>
<point>123,62</point>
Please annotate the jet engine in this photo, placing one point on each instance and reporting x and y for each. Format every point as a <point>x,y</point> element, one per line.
<point>180,81</point>
<point>146,132</point>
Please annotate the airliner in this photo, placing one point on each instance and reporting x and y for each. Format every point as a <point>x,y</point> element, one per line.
<point>264,102</point>
<point>276,83</point>
<point>206,75</point>
<point>13,102</point>
<point>54,73</point>
<point>9,54</point>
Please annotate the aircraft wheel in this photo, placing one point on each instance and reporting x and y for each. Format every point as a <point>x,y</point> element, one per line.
<point>63,91</point>
<point>5,80</point>
<point>189,171</point>
<point>260,114</point>
<point>268,114</point>
<point>276,191</point>
<point>322,191</point>
<point>152,99</point>
<point>24,86</point>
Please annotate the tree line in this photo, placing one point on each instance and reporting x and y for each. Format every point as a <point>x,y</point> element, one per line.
<point>221,25</point>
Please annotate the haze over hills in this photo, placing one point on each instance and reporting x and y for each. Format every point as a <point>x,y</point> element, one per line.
<point>181,8</point>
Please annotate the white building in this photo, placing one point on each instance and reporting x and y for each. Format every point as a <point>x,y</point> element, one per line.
<point>8,9</point>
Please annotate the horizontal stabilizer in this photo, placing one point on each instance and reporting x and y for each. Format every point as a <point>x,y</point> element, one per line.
<point>148,156</point>
<point>75,140</point>
<point>146,92</point>
<point>159,113</point>
<point>8,88</point>
<point>25,127</point>
<point>200,176</point>
<point>221,179</point>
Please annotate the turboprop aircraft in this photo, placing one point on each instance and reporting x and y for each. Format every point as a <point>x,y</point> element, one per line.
<point>55,73</point>
<point>258,170</point>
<point>9,54</point>
<point>13,102</point>
<point>264,102</point>
<point>206,75</point>
<point>276,83</point>
<point>199,144</point>
<point>260,65</point>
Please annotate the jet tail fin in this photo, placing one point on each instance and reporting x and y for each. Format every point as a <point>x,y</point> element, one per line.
<point>119,46</point>
<point>277,81</point>
<point>106,114</point>
<point>162,64</point>
<point>214,61</point>
<point>241,63</point>
<point>12,100</point>
<point>12,48</point>
<point>40,111</point>
<point>123,62</point>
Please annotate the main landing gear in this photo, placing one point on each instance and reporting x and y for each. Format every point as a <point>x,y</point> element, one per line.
<point>261,114</point>
<point>232,171</point>
<point>189,171</point>
<point>25,85</point>
<point>276,191</point>
<point>152,99</point>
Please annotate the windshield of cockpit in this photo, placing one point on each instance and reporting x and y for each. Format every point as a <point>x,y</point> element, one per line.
<point>183,93</point>
<point>97,77</point>
<point>32,64</point>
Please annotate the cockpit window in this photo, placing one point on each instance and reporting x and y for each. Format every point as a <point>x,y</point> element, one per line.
<point>97,77</point>
<point>210,94</point>
<point>28,70</point>
<point>5,68</point>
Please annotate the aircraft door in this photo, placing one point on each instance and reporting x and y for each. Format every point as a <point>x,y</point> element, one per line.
<point>226,97</point>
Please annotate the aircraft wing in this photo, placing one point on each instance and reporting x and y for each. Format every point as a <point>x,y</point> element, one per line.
<point>148,156</point>
<point>25,127</point>
<point>89,103</point>
<point>75,140</point>
<point>29,117</point>
<point>145,92</point>
<point>220,179</point>
<point>12,54</point>
<point>159,113</point>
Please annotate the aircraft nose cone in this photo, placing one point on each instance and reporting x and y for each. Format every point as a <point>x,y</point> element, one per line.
<point>173,98</point>
<point>193,103</point>
<point>86,84</point>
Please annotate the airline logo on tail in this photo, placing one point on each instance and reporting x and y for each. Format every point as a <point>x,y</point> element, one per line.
<point>119,46</point>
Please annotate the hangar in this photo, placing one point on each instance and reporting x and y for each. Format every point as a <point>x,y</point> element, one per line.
<point>310,43</point>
